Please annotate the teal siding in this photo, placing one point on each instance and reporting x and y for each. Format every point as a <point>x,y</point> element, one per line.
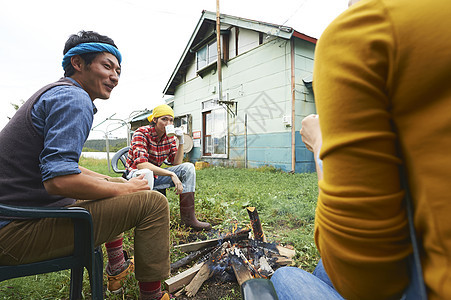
<point>305,162</point>
<point>272,149</point>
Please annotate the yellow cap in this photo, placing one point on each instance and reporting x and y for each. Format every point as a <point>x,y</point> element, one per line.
<point>161,110</point>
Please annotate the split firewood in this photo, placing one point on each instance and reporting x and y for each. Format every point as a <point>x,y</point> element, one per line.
<point>178,281</point>
<point>189,258</point>
<point>205,271</point>
<point>287,252</point>
<point>283,261</point>
<point>254,271</point>
<point>256,224</point>
<point>264,267</point>
<point>237,236</point>
<point>241,271</point>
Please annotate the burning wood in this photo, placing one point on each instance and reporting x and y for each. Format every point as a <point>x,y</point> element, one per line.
<point>235,255</point>
<point>240,254</point>
<point>256,224</point>
<point>189,258</point>
<point>205,271</point>
<point>241,272</point>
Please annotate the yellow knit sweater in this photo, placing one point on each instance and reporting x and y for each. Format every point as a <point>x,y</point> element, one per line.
<point>383,63</point>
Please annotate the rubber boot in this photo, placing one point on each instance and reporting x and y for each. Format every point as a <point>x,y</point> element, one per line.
<point>187,216</point>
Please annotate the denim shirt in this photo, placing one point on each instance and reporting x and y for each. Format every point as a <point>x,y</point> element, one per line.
<point>63,116</point>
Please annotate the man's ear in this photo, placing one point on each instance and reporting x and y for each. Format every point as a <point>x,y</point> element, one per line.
<point>77,62</point>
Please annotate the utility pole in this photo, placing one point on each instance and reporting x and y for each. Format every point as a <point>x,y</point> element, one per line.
<point>218,42</point>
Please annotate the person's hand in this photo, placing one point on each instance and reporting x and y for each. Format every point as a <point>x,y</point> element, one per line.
<point>311,133</point>
<point>180,136</point>
<point>177,183</point>
<point>138,184</point>
<point>116,179</point>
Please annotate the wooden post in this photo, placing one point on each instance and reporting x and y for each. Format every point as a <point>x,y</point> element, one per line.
<point>218,42</point>
<point>256,224</point>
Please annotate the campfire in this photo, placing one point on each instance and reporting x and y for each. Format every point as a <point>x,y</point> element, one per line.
<point>236,253</point>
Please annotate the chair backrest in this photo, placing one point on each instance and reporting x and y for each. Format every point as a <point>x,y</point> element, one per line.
<point>120,156</point>
<point>83,256</point>
<point>258,289</point>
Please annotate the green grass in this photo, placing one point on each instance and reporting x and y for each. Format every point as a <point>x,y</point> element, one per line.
<point>285,202</point>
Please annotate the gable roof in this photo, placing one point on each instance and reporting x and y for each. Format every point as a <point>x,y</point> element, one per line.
<point>206,20</point>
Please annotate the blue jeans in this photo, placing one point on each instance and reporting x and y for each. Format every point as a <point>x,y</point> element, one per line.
<point>185,172</point>
<point>294,283</point>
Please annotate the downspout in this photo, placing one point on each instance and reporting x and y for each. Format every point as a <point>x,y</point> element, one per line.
<point>245,141</point>
<point>293,98</point>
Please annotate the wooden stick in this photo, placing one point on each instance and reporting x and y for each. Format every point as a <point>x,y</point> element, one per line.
<point>178,281</point>
<point>277,249</point>
<point>189,258</point>
<point>256,224</point>
<point>238,236</point>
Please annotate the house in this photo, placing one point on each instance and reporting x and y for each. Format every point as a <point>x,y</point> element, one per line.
<point>266,91</point>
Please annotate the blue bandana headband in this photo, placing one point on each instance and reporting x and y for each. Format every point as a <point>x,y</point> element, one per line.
<point>90,47</point>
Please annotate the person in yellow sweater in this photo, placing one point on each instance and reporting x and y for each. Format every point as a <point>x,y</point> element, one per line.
<point>381,83</point>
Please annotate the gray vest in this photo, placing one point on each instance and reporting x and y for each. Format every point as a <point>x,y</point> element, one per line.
<point>20,147</point>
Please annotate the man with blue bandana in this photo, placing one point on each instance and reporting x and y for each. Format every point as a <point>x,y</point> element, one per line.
<point>39,152</point>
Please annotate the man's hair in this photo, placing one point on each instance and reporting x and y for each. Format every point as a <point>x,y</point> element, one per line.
<point>84,37</point>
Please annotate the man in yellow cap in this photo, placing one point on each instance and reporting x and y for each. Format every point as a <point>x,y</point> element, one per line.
<point>150,147</point>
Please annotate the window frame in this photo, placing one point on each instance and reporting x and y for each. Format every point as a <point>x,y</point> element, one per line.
<point>207,48</point>
<point>208,107</point>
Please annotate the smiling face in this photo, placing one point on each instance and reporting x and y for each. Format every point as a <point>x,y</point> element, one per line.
<point>100,77</point>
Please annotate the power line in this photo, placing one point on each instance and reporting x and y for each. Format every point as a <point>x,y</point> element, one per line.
<point>295,12</point>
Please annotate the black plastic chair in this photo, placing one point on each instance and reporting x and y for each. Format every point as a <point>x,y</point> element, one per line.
<point>84,255</point>
<point>258,289</point>
<point>121,156</point>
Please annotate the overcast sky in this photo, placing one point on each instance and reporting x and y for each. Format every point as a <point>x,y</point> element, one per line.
<point>151,36</point>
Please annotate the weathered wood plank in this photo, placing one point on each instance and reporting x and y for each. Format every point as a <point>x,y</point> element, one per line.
<point>178,281</point>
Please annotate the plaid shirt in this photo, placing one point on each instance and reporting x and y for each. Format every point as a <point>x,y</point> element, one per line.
<point>145,147</point>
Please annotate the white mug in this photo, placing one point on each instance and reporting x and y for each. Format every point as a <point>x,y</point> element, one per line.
<point>148,175</point>
<point>170,130</point>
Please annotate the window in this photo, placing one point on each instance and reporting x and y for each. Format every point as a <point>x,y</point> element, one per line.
<point>206,55</point>
<point>214,129</point>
